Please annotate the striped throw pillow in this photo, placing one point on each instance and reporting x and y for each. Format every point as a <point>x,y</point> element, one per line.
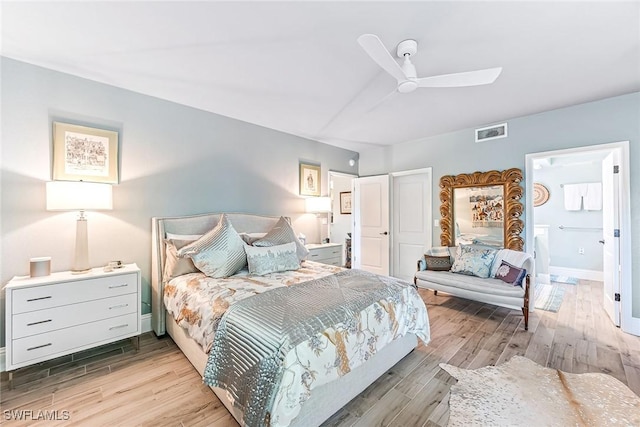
<point>280,234</point>
<point>219,253</point>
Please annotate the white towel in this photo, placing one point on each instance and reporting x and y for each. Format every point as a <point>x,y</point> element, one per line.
<point>593,199</point>
<point>573,196</point>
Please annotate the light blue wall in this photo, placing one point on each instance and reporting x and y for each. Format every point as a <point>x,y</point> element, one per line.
<point>609,120</point>
<point>564,243</point>
<point>174,160</point>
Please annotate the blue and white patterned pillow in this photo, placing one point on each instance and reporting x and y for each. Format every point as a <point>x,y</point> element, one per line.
<point>272,259</point>
<point>473,261</point>
<point>219,253</point>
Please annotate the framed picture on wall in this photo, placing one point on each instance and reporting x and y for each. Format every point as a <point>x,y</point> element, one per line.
<point>82,153</point>
<point>345,202</point>
<point>310,184</point>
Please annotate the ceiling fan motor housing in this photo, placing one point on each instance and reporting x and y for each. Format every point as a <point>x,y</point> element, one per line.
<point>407,86</point>
<point>407,47</point>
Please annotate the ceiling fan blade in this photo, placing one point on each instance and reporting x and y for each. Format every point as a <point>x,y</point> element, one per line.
<point>469,78</point>
<point>376,50</point>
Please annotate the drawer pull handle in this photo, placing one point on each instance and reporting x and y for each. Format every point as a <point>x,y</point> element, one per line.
<point>118,327</point>
<point>38,323</point>
<point>39,346</point>
<point>38,299</point>
<point>119,306</point>
<point>118,286</point>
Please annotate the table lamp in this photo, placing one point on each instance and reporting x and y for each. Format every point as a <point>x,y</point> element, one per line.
<point>318,206</point>
<point>79,196</point>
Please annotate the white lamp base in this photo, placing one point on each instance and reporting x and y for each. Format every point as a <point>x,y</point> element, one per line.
<point>81,260</point>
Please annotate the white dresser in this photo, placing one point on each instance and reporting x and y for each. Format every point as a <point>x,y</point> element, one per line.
<point>326,253</point>
<point>59,314</point>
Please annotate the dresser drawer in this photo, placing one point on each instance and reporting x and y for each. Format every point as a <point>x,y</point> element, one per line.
<point>59,294</point>
<point>46,346</point>
<point>39,321</point>
<point>331,261</point>
<point>319,254</point>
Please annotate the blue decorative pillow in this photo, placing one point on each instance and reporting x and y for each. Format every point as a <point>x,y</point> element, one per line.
<point>282,233</point>
<point>511,274</point>
<point>473,261</point>
<point>219,253</point>
<point>272,259</point>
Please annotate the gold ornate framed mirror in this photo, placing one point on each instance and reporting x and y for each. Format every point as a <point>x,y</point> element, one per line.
<point>482,207</point>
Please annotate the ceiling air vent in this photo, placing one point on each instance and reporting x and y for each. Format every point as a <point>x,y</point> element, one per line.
<point>491,132</point>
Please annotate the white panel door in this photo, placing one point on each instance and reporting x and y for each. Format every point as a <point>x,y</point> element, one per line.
<point>611,223</point>
<point>411,213</point>
<point>371,224</point>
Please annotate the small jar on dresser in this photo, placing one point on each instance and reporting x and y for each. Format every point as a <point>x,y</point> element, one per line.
<point>326,253</point>
<point>63,313</point>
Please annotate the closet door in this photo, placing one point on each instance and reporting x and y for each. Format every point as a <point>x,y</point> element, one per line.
<point>371,224</point>
<point>411,223</point>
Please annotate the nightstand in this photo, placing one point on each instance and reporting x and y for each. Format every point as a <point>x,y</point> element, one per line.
<point>63,313</point>
<point>326,253</point>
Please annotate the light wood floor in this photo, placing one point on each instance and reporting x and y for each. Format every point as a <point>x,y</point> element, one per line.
<point>114,385</point>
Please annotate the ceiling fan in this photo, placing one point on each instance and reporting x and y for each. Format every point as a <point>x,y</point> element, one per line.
<point>408,81</point>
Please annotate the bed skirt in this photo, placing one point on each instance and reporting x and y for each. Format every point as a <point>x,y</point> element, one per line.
<point>326,399</point>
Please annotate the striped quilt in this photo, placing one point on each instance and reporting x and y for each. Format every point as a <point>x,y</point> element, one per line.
<point>267,348</point>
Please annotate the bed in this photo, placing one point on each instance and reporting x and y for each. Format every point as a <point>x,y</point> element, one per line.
<point>325,399</point>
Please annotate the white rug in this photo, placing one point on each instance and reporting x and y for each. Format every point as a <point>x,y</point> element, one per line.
<point>522,393</point>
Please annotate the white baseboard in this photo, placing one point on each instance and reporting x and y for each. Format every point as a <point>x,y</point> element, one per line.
<point>577,273</point>
<point>543,278</point>
<point>146,327</point>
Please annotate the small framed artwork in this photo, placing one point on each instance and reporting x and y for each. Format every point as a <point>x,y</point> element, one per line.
<point>491,132</point>
<point>309,180</point>
<point>82,153</point>
<point>345,202</point>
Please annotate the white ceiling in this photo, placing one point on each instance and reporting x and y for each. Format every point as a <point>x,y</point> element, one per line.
<point>297,67</point>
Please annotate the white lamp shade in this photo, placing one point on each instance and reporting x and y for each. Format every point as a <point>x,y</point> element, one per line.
<point>318,205</point>
<point>76,196</point>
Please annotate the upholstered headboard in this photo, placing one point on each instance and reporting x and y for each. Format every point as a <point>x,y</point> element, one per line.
<point>195,224</point>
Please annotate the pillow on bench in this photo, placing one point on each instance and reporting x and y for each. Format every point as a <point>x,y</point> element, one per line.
<point>473,261</point>
<point>437,263</point>
<point>510,274</point>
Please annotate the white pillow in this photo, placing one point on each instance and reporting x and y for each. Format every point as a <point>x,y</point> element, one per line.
<point>191,237</point>
<point>219,253</point>
<point>173,265</point>
<point>272,259</point>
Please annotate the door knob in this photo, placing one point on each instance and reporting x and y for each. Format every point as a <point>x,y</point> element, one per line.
<point>384,233</point>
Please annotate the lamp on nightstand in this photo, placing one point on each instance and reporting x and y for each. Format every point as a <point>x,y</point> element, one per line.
<point>79,196</point>
<point>319,206</point>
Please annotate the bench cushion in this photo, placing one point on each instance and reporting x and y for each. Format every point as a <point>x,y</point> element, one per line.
<point>471,283</point>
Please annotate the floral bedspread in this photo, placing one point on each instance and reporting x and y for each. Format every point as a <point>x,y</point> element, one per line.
<point>198,302</point>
